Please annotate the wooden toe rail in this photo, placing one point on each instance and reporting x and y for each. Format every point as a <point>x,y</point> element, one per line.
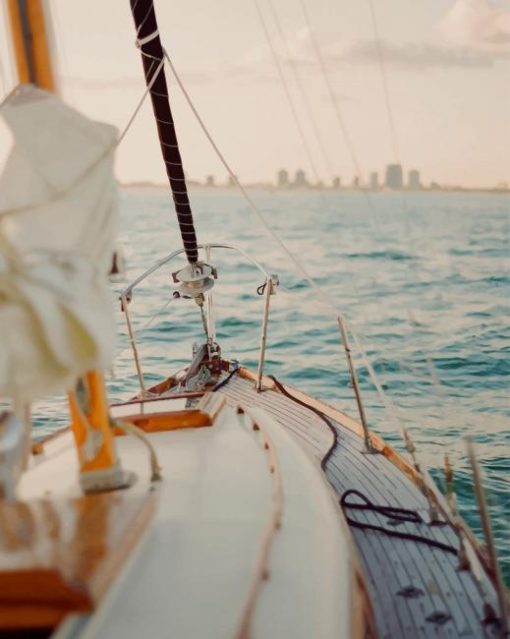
<point>156,416</point>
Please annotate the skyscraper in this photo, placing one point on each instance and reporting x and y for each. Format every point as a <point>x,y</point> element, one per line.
<point>394,177</point>
<point>300,180</point>
<point>209,180</point>
<point>374,181</point>
<point>413,180</point>
<point>282,179</point>
<point>336,183</point>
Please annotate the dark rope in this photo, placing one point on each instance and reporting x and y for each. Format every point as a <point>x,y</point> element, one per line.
<point>152,54</point>
<point>227,379</point>
<point>400,514</point>
<point>319,413</point>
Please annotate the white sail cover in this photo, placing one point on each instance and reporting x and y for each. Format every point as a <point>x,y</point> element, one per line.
<point>58,210</point>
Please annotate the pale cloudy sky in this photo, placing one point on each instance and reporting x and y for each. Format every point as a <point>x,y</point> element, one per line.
<point>447,67</point>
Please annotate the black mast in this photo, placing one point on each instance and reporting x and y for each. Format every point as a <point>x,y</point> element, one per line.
<point>153,66</point>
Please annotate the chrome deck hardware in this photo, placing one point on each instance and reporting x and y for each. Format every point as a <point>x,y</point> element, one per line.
<point>195,280</point>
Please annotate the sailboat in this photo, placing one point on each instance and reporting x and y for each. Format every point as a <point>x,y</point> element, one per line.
<point>218,502</point>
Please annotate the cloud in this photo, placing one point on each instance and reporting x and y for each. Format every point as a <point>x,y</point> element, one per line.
<point>472,34</point>
<point>479,25</point>
<point>415,55</point>
<point>407,55</point>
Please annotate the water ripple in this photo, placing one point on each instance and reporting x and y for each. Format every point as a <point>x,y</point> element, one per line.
<point>424,286</point>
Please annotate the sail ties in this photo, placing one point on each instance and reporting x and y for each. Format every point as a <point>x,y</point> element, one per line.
<point>141,41</point>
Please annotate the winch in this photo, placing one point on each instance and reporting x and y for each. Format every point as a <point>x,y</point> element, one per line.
<point>195,279</point>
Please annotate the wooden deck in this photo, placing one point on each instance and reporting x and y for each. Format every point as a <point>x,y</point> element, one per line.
<point>59,557</point>
<point>416,589</point>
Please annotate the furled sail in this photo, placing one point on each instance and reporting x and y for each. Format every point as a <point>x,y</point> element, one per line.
<point>58,210</point>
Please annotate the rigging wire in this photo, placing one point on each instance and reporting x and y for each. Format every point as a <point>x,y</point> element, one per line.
<point>148,323</point>
<point>329,85</point>
<point>394,140</point>
<point>287,92</point>
<point>345,132</point>
<point>387,402</point>
<point>245,193</point>
<point>299,84</point>
<point>57,194</point>
<point>319,292</point>
<point>151,80</point>
<point>338,112</point>
<point>430,368</point>
<point>384,78</point>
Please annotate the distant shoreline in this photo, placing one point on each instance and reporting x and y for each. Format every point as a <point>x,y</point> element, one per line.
<point>275,189</point>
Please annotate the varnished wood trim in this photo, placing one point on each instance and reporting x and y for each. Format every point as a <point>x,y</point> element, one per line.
<point>40,49</point>
<point>14,618</point>
<point>86,541</point>
<point>158,398</point>
<point>159,422</point>
<point>162,387</point>
<point>328,410</point>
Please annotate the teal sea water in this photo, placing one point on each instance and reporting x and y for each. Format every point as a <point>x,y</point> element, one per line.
<point>423,278</point>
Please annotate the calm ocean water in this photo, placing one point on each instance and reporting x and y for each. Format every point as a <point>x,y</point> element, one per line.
<point>424,280</point>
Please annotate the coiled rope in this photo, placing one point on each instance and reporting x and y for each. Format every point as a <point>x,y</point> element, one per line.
<point>401,515</point>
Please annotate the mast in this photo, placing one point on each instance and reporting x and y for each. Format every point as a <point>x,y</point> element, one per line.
<point>30,32</point>
<point>153,57</point>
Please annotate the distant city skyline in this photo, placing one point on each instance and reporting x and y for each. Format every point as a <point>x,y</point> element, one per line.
<point>393,177</point>
<point>396,178</point>
<point>447,69</point>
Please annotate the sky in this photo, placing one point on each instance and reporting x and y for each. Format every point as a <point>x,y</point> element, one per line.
<point>446,64</point>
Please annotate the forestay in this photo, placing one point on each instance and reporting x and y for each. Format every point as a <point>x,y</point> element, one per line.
<point>58,211</point>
